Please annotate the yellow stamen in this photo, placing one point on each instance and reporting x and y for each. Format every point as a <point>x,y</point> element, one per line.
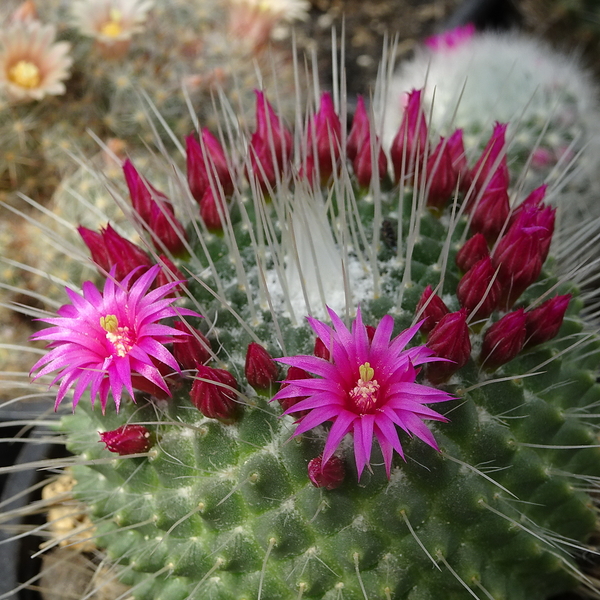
<point>366,372</point>
<point>109,323</point>
<point>113,27</point>
<point>25,74</point>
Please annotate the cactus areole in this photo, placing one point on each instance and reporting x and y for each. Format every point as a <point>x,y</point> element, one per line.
<point>381,467</point>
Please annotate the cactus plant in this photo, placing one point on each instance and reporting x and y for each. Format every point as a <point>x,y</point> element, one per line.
<point>256,454</point>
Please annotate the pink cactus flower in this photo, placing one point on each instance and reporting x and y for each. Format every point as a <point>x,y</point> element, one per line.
<point>368,389</point>
<point>104,338</point>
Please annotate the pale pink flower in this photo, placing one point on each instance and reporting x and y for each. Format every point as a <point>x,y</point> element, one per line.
<point>367,388</point>
<point>32,64</point>
<point>102,339</point>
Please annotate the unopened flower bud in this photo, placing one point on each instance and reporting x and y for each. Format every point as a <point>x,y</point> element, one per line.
<point>124,255</point>
<point>441,176</point>
<point>271,144</point>
<point>360,131</point>
<point>169,232</point>
<point>363,162</point>
<point>260,368</point>
<point>97,247</point>
<point>213,394</point>
<point>479,283</point>
<point>410,143</point>
<point>324,136</point>
<point>456,148</point>
<point>191,350</point>
<point>321,350</point>
<point>433,310</point>
<point>473,251</point>
<point>449,339</point>
<point>544,322</point>
<point>534,200</point>
<point>492,210</point>
<point>143,196</point>
<point>329,475</point>
<point>206,165</point>
<point>503,340</point>
<point>492,161</point>
<point>451,39</point>
<point>128,439</point>
<point>213,210</point>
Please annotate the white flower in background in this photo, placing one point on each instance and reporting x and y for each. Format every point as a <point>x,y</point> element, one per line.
<point>32,64</point>
<point>111,22</point>
<point>253,21</point>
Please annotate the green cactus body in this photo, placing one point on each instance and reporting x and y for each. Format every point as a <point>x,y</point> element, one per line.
<point>227,511</point>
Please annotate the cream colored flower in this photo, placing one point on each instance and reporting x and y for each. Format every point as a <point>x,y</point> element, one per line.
<point>111,21</point>
<point>32,64</point>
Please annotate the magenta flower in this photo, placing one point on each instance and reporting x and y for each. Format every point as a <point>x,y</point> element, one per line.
<point>367,389</point>
<point>102,339</point>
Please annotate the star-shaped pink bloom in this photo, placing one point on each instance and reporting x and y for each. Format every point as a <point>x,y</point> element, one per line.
<point>101,339</point>
<point>367,388</point>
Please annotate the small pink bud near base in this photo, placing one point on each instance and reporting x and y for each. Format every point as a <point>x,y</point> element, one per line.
<point>478,284</point>
<point>449,339</point>
<point>434,310</point>
<point>329,475</point>
<point>213,397</point>
<point>192,349</point>
<point>260,368</point>
<point>503,340</point>
<point>128,439</point>
<point>544,322</point>
<point>473,251</point>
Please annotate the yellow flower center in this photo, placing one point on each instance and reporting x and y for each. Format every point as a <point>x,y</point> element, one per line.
<point>119,337</point>
<point>364,394</point>
<point>25,74</point>
<point>113,28</point>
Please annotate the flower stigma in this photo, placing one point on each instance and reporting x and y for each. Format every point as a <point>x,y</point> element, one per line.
<point>25,74</point>
<point>119,337</point>
<point>364,394</point>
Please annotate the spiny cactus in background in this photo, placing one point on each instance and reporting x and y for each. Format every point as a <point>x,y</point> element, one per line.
<point>473,79</point>
<point>173,51</point>
<point>428,432</point>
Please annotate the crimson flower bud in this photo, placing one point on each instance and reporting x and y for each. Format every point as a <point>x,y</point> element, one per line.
<point>534,200</point>
<point>142,194</point>
<point>293,373</point>
<point>492,210</point>
<point>141,384</point>
<point>213,394</point>
<point>210,205</point>
<point>169,273</point>
<point>503,340</point>
<point>191,350</point>
<point>95,243</point>
<point>260,368</point>
<point>473,251</point>
<point>409,145</point>
<point>270,145</point>
<point>124,255</point>
<point>206,164</point>
<point>324,136</point>
<point>329,475</point>
<point>370,332</point>
<point>476,285</point>
<point>441,176</point>
<point>363,163</point>
<point>434,309</point>
<point>492,160</point>
<point>456,148</point>
<point>543,323</point>
<point>521,252</point>
<point>167,229</point>
<point>449,339</point>
<point>128,439</point>
<point>360,131</point>
<point>321,350</point>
